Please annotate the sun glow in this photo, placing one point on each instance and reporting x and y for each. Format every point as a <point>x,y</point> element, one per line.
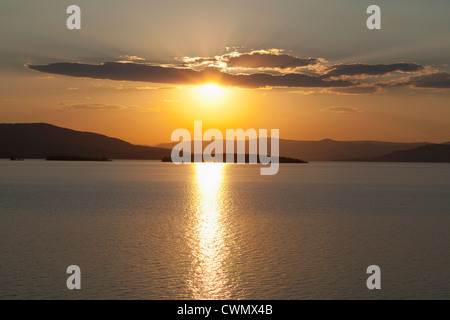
<point>211,91</point>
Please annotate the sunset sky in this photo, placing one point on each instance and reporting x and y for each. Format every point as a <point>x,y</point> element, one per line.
<point>137,69</point>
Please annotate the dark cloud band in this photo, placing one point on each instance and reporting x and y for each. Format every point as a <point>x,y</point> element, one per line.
<point>359,69</point>
<point>159,74</point>
<point>439,80</point>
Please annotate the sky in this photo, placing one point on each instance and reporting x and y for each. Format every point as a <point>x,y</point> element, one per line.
<point>138,70</point>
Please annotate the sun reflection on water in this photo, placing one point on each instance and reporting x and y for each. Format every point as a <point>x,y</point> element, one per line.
<point>209,277</point>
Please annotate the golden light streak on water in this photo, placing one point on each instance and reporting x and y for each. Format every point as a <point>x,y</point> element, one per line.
<point>209,276</point>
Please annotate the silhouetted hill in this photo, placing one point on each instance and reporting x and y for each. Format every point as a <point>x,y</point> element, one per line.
<point>41,140</point>
<point>428,153</point>
<point>338,150</point>
<point>328,150</point>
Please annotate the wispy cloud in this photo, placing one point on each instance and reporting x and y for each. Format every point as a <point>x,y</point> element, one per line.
<point>170,101</point>
<point>341,109</point>
<point>130,58</point>
<point>354,90</point>
<point>97,106</point>
<point>158,88</point>
<point>90,106</point>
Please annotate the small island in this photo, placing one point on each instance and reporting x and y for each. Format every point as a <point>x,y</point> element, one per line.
<point>14,158</point>
<point>76,158</point>
<point>247,159</point>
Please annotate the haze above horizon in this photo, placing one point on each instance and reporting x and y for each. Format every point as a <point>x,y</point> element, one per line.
<point>131,72</point>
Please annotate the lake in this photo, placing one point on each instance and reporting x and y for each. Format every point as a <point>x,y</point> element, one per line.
<point>152,230</point>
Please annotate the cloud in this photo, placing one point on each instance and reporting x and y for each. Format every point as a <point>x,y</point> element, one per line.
<point>436,80</point>
<point>120,71</point>
<point>341,109</point>
<point>169,88</point>
<point>170,101</point>
<point>131,58</point>
<point>199,61</point>
<point>274,59</point>
<point>256,69</point>
<point>159,74</point>
<point>157,88</point>
<point>268,59</point>
<point>260,80</point>
<point>96,106</point>
<point>440,80</point>
<point>354,90</point>
<point>359,69</point>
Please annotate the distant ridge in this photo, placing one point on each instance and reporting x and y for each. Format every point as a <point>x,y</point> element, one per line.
<point>331,150</point>
<point>42,140</point>
<point>428,153</point>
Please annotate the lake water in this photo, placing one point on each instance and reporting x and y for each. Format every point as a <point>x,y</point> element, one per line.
<point>151,230</point>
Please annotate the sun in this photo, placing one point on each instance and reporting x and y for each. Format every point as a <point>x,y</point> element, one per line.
<point>210,94</point>
<point>211,91</point>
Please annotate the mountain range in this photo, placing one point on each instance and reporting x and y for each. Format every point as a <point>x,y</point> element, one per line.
<point>41,140</point>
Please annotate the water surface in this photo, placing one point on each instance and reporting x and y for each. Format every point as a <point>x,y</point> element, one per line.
<point>151,230</point>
